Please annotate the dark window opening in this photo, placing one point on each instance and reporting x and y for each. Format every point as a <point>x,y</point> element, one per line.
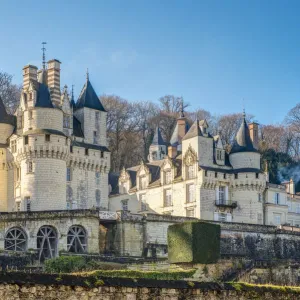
<point>236,176</point>
<point>86,151</point>
<point>102,154</point>
<point>216,174</point>
<point>26,140</point>
<point>47,137</point>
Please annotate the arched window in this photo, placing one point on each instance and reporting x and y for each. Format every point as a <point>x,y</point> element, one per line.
<point>46,242</point>
<point>77,239</point>
<point>15,240</point>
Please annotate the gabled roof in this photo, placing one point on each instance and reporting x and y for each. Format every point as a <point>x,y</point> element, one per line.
<point>88,98</point>
<point>194,131</point>
<point>4,116</point>
<point>243,142</point>
<point>43,96</point>
<point>158,139</point>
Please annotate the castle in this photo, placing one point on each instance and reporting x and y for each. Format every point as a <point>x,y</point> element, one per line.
<point>55,185</point>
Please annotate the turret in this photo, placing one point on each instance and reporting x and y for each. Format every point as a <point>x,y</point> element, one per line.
<point>243,154</point>
<point>158,147</point>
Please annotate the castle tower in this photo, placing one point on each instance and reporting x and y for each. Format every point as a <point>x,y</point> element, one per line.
<point>6,180</point>
<point>43,148</point>
<point>243,154</point>
<point>158,147</point>
<point>92,115</point>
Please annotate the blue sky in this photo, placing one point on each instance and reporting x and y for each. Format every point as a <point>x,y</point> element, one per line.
<point>218,55</point>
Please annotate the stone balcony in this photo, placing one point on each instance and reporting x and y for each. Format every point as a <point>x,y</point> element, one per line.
<point>226,203</point>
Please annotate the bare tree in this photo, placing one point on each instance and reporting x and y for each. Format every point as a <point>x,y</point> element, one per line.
<point>9,92</point>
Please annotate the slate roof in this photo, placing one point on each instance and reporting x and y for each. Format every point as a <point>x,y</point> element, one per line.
<point>174,138</point>
<point>193,131</point>
<point>88,98</point>
<point>44,131</point>
<point>243,142</point>
<point>77,130</point>
<point>43,96</point>
<point>4,116</point>
<point>158,139</point>
<point>90,146</point>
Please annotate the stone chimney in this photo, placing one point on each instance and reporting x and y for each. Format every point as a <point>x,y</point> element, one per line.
<point>291,187</point>
<point>53,79</point>
<point>253,129</point>
<point>172,151</point>
<point>29,73</point>
<point>181,122</point>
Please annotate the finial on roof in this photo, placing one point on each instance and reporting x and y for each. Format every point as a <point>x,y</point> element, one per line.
<point>87,74</point>
<point>44,55</point>
<point>72,91</point>
<point>181,109</point>
<point>244,114</point>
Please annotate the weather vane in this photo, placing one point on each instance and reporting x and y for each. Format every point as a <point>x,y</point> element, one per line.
<point>44,55</point>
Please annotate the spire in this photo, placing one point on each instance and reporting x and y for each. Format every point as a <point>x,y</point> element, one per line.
<point>181,109</point>
<point>243,142</point>
<point>88,97</point>
<point>44,55</point>
<point>73,104</point>
<point>87,74</point>
<point>158,139</point>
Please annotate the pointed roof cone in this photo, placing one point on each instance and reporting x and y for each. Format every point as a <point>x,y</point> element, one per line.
<point>158,139</point>
<point>243,142</point>
<point>194,131</point>
<point>43,96</point>
<point>5,118</point>
<point>88,98</point>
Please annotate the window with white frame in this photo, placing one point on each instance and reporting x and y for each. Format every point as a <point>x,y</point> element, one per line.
<point>125,205</point>
<point>143,202</point>
<point>222,217</point>
<point>190,193</point>
<point>289,204</point>
<point>69,174</point>
<point>191,172</point>
<point>190,212</point>
<point>277,219</point>
<point>66,122</point>
<point>13,146</point>
<point>219,154</point>
<point>168,198</point>
<point>222,194</point>
<point>168,176</point>
<point>143,182</point>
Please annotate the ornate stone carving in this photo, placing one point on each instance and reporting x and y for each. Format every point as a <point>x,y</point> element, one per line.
<point>190,157</point>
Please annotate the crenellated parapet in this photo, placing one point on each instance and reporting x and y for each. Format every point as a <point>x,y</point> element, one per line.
<point>88,164</point>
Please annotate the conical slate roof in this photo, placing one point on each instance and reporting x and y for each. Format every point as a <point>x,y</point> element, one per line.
<point>43,96</point>
<point>243,142</point>
<point>158,139</point>
<point>4,116</point>
<point>88,98</point>
<point>194,131</point>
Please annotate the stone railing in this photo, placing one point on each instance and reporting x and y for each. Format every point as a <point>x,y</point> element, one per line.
<point>108,215</point>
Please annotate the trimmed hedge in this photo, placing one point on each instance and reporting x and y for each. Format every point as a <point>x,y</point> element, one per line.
<point>194,242</point>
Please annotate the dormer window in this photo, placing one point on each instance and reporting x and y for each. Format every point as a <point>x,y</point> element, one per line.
<point>204,130</point>
<point>168,177</point>
<point>143,182</point>
<point>190,172</point>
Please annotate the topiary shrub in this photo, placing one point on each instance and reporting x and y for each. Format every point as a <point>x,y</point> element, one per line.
<point>194,242</point>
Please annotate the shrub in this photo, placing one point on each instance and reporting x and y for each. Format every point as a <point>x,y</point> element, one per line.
<point>65,264</point>
<point>194,242</point>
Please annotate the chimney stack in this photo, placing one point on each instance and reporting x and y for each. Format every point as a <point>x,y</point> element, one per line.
<point>29,73</point>
<point>253,129</point>
<point>172,151</point>
<point>53,79</point>
<point>291,187</point>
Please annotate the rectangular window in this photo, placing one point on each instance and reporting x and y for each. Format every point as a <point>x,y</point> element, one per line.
<point>66,122</point>
<point>18,173</point>
<point>276,198</point>
<point>143,202</point>
<point>102,154</point>
<point>219,154</point>
<point>69,177</point>
<point>191,172</point>
<point>26,140</point>
<point>259,218</point>
<point>97,119</point>
<point>224,176</point>
<point>277,219</point>
<point>221,194</point>
<point>125,205</point>
<point>190,213</point>
<point>256,175</point>
<point>97,175</point>
<point>13,146</point>
<point>143,182</point>
<point>30,167</point>
<point>236,176</point>
<point>86,151</point>
<point>168,198</point>
<point>95,137</point>
<point>216,174</point>
<point>47,137</point>
<point>98,198</point>
<point>289,204</point>
<point>190,193</point>
<point>259,197</point>
<point>30,114</point>
<point>168,177</point>
<point>205,173</point>
<point>71,149</point>
<point>28,203</point>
